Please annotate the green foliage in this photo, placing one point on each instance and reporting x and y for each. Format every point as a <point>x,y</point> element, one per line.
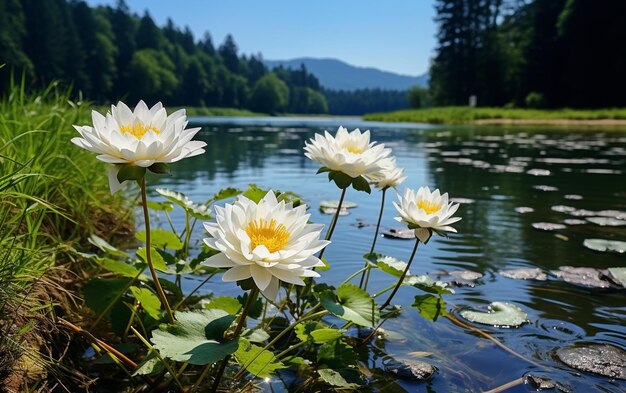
<point>148,301</point>
<point>429,306</point>
<point>466,115</point>
<point>161,238</point>
<point>351,304</point>
<point>418,97</point>
<point>188,339</point>
<point>535,100</point>
<point>257,360</point>
<point>269,95</point>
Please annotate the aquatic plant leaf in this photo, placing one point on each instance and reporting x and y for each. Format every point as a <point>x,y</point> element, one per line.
<point>430,307</point>
<point>606,221</point>
<point>254,193</point>
<point>226,303</point>
<point>391,265</point>
<point>336,355</point>
<point>224,193</point>
<point>149,301</point>
<point>151,365</point>
<point>122,268</point>
<point>351,304</point>
<point>321,336</point>
<point>500,314</point>
<point>345,378</point>
<point>100,292</point>
<point>605,245</point>
<point>161,238</point>
<point>196,210</point>
<point>187,340</point>
<point>317,332</point>
<point>426,284</point>
<point>157,259</point>
<point>618,274</point>
<point>256,335</point>
<point>160,206</point>
<point>257,360</point>
<point>106,247</point>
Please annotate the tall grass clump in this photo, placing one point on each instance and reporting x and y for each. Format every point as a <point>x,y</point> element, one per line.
<point>51,197</point>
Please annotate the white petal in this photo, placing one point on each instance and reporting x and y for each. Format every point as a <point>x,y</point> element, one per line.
<point>237,273</point>
<point>218,260</point>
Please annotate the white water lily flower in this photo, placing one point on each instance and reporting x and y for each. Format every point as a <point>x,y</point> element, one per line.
<point>426,211</point>
<point>269,241</point>
<point>141,137</point>
<point>388,176</point>
<point>349,153</point>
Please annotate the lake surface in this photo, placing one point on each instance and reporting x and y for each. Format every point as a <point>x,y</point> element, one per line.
<point>496,171</point>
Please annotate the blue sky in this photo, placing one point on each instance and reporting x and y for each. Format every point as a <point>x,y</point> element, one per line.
<point>394,35</point>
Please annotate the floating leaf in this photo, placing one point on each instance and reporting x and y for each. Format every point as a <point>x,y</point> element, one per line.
<point>122,268</point>
<point>334,204</point>
<point>604,245</point>
<point>351,304</point>
<point>500,314</point>
<point>618,274</point>
<point>548,226</point>
<point>606,221</point>
<point>160,206</point>
<point>345,378</point>
<point>186,340</point>
<point>427,284</point>
<point>588,276</point>
<point>400,233</point>
<point>161,238</point>
<point>106,247</point>
<point>391,265</point>
<point>226,303</point>
<point>336,355</point>
<point>257,360</point>
<point>148,300</point>
<point>525,274</point>
<point>151,365</point>
<point>157,260</point>
<point>429,306</point>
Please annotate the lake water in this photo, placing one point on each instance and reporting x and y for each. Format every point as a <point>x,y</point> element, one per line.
<point>496,171</point>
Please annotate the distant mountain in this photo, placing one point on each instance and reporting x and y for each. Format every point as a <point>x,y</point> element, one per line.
<point>337,75</point>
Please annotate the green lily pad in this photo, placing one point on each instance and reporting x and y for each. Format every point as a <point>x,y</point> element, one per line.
<point>257,360</point>
<point>429,306</point>
<point>161,238</point>
<point>500,314</point>
<point>196,337</point>
<point>391,265</point>
<point>604,245</point>
<point>351,304</point>
<point>344,378</point>
<point>618,274</point>
<point>148,300</point>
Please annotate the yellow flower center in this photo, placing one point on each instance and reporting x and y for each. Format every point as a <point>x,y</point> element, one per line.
<point>269,233</point>
<point>353,149</point>
<point>428,206</point>
<point>138,130</point>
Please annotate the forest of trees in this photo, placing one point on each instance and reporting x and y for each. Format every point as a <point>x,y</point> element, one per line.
<point>539,53</point>
<point>358,102</point>
<point>108,53</point>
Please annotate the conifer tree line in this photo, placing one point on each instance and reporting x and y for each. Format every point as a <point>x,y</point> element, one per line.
<point>109,53</point>
<point>539,53</point>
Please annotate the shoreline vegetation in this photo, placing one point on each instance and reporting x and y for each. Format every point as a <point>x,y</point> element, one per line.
<point>505,116</point>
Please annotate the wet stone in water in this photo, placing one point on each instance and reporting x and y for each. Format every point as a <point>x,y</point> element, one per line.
<point>582,275</point>
<point>539,383</point>
<point>525,274</point>
<point>602,359</point>
<point>413,370</point>
<point>548,226</point>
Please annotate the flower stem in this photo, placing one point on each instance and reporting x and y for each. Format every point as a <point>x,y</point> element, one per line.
<point>366,274</point>
<point>401,280</point>
<point>155,277</point>
<point>254,292</point>
<point>333,223</point>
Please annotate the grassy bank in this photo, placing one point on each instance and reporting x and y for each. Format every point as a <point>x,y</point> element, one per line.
<point>466,115</point>
<point>214,111</point>
<point>52,196</point>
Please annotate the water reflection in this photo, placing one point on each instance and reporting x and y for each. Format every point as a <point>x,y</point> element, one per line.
<point>496,171</point>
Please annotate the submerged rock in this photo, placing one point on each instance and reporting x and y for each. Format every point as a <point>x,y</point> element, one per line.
<point>539,383</point>
<point>413,370</point>
<point>600,359</point>
<point>525,274</point>
<point>583,275</point>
